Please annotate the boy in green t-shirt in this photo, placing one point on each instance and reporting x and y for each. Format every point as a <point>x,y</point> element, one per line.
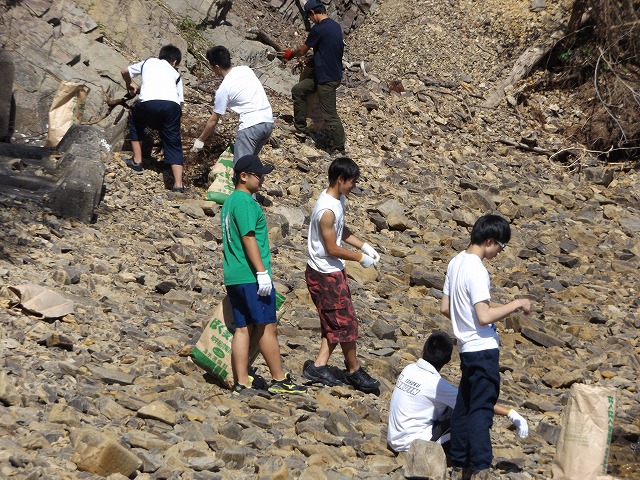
<point>247,276</point>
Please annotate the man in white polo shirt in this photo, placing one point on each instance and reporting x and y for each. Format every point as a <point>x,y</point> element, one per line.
<point>241,92</point>
<point>422,400</point>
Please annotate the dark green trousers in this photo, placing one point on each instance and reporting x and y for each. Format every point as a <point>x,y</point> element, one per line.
<point>327,95</point>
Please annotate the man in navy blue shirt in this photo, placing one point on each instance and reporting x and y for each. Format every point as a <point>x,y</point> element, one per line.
<point>326,40</point>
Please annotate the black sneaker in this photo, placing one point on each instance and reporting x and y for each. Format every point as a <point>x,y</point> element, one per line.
<point>238,387</point>
<point>257,381</point>
<point>286,385</point>
<point>136,168</point>
<point>178,189</point>
<point>319,374</point>
<point>361,380</point>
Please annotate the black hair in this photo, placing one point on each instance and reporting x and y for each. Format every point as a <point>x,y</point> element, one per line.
<point>319,10</point>
<point>490,226</point>
<point>343,167</point>
<point>220,56</point>
<point>437,349</point>
<point>171,54</point>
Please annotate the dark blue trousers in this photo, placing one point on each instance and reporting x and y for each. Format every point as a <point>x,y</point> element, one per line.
<point>164,116</point>
<point>472,416</point>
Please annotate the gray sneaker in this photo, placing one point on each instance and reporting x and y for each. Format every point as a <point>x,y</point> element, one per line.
<point>299,134</point>
<point>136,168</point>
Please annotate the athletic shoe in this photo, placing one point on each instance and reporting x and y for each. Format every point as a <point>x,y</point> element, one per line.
<point>299,134</point>
<point>286,385</point>
<point>136,168</point>
<point>319,374</point>
<point>257,381</point>
<point>178,189</point>
<point>361,380</point>
<point>481,475</point>
<point>456,473</point>
<point>238,387</point>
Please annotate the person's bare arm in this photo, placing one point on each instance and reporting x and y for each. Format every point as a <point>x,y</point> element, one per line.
<point>488,315</point>
<point>329,237</point>
<point>501,410</point>
<point>132,88</point>
<point>252,251</point>
<point>301,50</point>
<point>209,127</point>
<point>444,306</point>
<point>350,239</point>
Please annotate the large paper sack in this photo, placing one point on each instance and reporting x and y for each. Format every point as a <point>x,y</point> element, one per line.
<point>221,178</point>
<point>213,350</point>
<point>587,423</point>
<point>66,109</point>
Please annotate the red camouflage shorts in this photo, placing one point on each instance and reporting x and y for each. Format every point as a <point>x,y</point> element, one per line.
<point>331,295</point>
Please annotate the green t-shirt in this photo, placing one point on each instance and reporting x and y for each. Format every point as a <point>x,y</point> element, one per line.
<point>241,215</point>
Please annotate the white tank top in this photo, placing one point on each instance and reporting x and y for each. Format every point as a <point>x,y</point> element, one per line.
<point>319,259</point>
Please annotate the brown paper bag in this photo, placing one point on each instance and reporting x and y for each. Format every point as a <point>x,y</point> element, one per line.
<point>587,423</point>
<point>212,352</point>
<point>66,109</point>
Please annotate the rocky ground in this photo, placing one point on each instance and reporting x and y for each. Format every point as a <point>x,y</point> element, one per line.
<point>113,379</point>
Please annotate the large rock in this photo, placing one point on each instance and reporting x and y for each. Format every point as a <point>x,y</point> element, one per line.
<point>425,460</point>
<point>101,453</point>
<point>81,171</point>
<point>6,93</point>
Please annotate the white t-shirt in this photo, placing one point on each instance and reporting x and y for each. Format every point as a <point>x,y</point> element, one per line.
<point>467,283</point>
<point>242,92</point>
<point>160,81</point>
<point>319,259</point>
<point>419,398</point>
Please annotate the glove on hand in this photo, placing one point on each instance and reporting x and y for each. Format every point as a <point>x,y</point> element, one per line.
<point>520,423</point>
<point>369,250</point>
<point>264,284</point>
<point>197,145</point>
<point>366,261</point>
<point>287,55</point>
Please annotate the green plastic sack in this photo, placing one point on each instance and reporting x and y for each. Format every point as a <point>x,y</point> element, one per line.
<point>221,176</point>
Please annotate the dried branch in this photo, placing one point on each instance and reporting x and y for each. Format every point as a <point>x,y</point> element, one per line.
<point>266,39</point>
<point>604,104</point>
<point>524,146</point>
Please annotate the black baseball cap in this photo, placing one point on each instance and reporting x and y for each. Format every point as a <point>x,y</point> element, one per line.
<point>312,5</point>
<point>251,164</point>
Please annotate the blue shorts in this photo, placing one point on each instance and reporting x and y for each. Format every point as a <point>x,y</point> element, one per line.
<point>249,308</point>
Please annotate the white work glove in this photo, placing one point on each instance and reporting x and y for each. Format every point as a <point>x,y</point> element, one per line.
<point>197,145</point>
<point>520,423</point>
<point>366,261</point>
<point>370,251</point>
<point>264,284</point>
